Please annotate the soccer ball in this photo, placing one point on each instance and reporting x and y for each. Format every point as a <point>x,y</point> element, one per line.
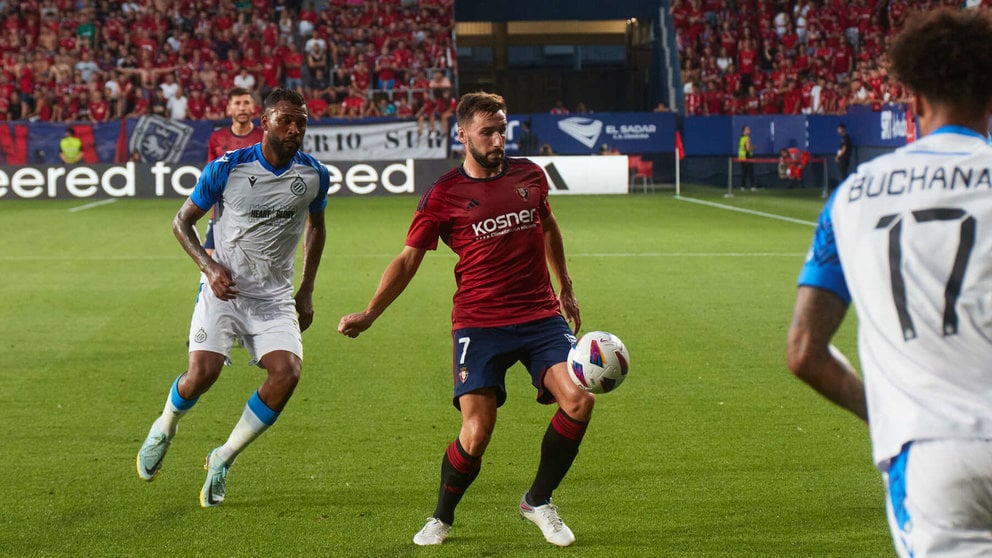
<point>598,362</point>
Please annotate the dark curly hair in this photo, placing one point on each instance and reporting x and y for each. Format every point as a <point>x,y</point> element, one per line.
<point>278,95</point>
<point>945,55</point>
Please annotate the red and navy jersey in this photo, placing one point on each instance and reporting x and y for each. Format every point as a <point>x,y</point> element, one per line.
<point>224,140</point>
<point>494,226</point>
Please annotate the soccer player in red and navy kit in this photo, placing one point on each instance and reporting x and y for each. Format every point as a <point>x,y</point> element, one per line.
<point>242,132</point>
<point>493,212</point>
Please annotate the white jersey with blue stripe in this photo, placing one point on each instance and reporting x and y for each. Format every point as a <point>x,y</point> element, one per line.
<point>908,238</point>
<point>265,211</point>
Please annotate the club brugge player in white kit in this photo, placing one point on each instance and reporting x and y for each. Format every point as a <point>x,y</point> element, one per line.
<point>273,195</point>
<point>493,212</point>
<point>908,239</point>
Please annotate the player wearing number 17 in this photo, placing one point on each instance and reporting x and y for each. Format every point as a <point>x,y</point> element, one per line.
<point>908,239</point>
<point>493,212</point>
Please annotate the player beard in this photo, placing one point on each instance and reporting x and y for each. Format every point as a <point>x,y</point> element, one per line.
<point>283,148</point>
<point>491,160</point>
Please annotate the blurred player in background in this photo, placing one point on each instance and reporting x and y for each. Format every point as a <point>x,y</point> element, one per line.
<point>273,194</point>
<point>242,132</point>
<point>844,152</point>
<point>493,212</point>
<point>908,238</point>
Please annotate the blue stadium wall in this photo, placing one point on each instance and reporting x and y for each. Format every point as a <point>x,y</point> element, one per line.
<point>708,140</point>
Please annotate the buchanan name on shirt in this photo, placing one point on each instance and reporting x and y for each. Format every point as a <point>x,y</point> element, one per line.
<point>902,182</point>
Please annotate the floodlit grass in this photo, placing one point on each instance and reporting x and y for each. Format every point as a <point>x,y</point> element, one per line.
<point>710,448</point>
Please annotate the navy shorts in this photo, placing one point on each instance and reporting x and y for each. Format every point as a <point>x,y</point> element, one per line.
<point>482,355</point>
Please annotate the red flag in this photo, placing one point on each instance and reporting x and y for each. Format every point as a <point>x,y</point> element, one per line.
<point>910,125</point>
<point>679,148</point>
<point>120,153</point>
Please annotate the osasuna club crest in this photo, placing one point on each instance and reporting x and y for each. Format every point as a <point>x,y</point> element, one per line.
<point>298,187</point>
<point>523,192</point>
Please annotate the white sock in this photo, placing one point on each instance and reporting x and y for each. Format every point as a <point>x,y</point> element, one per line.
<point>256,418</point>
<point>175,407</point>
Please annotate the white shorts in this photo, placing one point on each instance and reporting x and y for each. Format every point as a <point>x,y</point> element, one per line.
<point>939,499</point>
<point>262,326</point>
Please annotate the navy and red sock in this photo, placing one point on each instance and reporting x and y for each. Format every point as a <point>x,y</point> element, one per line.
<point>458,470</point>
<point>558,450</point>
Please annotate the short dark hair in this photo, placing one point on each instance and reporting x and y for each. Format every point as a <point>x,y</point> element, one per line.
<point>479,102</point>
<point>279,95</point>
<point>237,92</point>
<point>945,55</point>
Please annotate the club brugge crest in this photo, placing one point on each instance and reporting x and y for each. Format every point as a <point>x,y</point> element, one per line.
<point>523,192</point>
<point>159,139</point>
<point>298,187</point>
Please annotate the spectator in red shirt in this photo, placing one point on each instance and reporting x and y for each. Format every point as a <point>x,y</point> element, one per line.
<point>196,105</point>
<point>771,101</point>
<point>829,98</point>
<point>842,61</point>
<point>216,107</point>
<point>354,104</point>
<point>316,104</point>
<point>713,100</point>
<point>790,39</point>
<point>752,101</point>
<point>294,61</point>
<point>5,108</point>
<point>426,113</point>
<point>385,68</point>
<point>42,110</point>
<point>99,108</point>
<point>403,108</point>
<point>693,101</point>
<point>747,57</point>
<point>402,55</point>
<point>361,77</point>
<point>733,104</point>
<point>270,69</point>
<point>445,107</point>
<point>791,98</point>
<point>732,79</point>
<point>66,110</point>
<point>420,86</point>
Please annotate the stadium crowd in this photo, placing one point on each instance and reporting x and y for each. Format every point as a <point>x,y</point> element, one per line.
<point>97,60</point>
<point>788,56</point>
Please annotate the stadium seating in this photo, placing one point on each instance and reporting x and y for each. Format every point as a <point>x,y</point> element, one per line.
<point>60,58</point>
<point>797,57</point>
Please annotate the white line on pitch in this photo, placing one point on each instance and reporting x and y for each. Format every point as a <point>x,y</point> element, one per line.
<point>692,255</point>
<point>748,211</point>
<point>92,205</point>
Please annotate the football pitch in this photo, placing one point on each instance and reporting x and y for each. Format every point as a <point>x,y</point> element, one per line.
<point>710,447</point>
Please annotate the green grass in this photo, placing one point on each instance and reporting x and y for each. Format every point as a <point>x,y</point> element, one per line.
<point>711,448</point>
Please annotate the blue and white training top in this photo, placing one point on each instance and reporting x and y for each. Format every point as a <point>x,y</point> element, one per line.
<point>908,238</point>
<point>265,211</point>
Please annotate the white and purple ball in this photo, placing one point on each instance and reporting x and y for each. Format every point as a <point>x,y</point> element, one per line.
<point>598,362</point>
